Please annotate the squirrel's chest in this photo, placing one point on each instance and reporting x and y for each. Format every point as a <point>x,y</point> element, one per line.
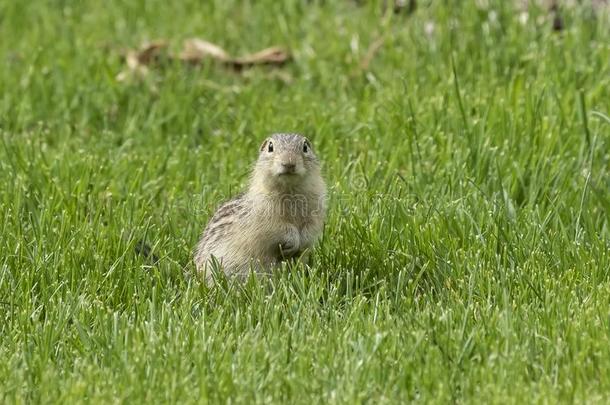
<point>281,214</point>
<point>294,212</point>
<point>273,220</point>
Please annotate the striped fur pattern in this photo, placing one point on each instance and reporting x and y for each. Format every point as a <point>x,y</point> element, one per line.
<point>279,217</point>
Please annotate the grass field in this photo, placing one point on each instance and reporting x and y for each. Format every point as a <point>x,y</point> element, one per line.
<point>466,255</point>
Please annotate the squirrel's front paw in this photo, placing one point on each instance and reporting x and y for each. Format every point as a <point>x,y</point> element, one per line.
<point>288,249</point>
<point>289,244</point>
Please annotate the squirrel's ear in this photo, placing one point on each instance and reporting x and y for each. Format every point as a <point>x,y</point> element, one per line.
<point>264,145</point>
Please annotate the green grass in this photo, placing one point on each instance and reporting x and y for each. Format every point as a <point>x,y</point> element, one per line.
<point>466,255</point>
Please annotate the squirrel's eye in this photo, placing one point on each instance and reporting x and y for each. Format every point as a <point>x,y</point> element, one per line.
<point>270,147</point>
<point>305,147</point>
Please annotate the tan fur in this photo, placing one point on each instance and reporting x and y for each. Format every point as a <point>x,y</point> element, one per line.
<point>280,216</point>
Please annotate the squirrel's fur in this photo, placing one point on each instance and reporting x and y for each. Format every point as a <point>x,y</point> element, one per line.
<point>279,217</point>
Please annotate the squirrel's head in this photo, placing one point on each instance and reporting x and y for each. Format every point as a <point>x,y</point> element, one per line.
<point>286,159</point>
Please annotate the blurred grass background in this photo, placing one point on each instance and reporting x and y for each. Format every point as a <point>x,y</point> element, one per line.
<point>466,253</point>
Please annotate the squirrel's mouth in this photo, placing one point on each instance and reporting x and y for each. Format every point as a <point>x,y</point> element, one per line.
<point>287,171</point>
<point>288,177</point>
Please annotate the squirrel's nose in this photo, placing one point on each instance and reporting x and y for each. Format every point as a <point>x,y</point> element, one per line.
<point>289,167</point>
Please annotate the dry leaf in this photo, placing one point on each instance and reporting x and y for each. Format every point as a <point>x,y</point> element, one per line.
<point>282,76</point>
<point>371,52</point>
<point>195,50</point>
<point>138,60</point>
<point>269,56</point>
<point>150,52</point>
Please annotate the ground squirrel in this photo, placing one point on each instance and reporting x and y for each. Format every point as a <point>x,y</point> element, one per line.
<point>279,217</point>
